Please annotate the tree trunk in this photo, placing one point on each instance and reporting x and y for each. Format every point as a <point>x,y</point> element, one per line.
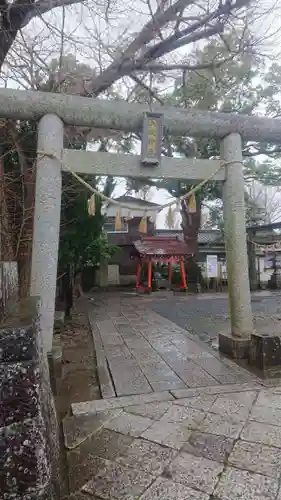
<point>7,252</point>
<point>191,225</point>
<point>26,230</point>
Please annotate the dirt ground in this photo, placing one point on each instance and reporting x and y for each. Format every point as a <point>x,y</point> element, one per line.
<point>79,373</point>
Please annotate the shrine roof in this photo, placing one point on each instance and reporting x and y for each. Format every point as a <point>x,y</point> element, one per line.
<point>159,245</point>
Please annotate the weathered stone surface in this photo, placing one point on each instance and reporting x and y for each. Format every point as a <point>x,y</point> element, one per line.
<point>19,395</point>
<point>29,453</point>
<point>196,472</point>
<point>262,433</point>
<point>115,481</point>
<point>22,463</point>
<point>18,344</point>
<point>150,410</point>
<point>269,398</point>
<point>147,456</point>
<point>127,423</point>
<point>167,490</point>
<point>265,353</point>
<point>209,446</point>
<point>220,425</point>
<point>165,385</point>
<point>266,414</point>
<point>203,402</point>
<point>92,407</point>
<point>78,429</point>
<point>235,347</point>
<point>237,484</point>
<point>190,416</point>
<point>171,434</point>
<point>59,321</point>
<point>84,460</point>
<point>235,406</point>
<point>256,457</point>
<point>225,389</point>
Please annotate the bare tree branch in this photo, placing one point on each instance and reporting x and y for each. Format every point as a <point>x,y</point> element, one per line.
<point>126,63</point>
<point>158,68</point>
<point>44,6</point>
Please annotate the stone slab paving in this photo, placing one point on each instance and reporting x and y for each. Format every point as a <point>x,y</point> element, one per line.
<point>205,315</point>
<point>213,443</point>
<point>177,422</point>
<point>140,352</point>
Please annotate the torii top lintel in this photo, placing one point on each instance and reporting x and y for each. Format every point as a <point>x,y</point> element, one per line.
<point>121,115</point>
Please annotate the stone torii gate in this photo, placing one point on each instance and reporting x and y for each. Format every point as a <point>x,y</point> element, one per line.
<point>55,110</point>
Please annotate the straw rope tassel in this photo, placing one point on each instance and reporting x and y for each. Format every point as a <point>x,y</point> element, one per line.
<point>170,218</point>
<point>192,204</point>
<point>118,220</point>
<point>92,205</point>
<point>143,224</point>
<point>190,195</point>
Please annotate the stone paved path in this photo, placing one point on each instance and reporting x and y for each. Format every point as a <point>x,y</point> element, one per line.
<point>217,443</point>
<point>205,315</point>
<point>186,425</point>
<point>139,351</point>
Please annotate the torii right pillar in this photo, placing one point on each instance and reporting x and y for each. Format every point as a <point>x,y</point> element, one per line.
<point>236,342</point>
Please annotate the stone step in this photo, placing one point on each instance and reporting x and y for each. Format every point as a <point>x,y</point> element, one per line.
<point>87,408</point>
<point>94,407</point>
<point>79,496</point>
<point>77,429</point>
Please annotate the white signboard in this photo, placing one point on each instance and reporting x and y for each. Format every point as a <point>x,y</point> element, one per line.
<point>261,267</point>
<point>212,266</point>
<point>224,271</point>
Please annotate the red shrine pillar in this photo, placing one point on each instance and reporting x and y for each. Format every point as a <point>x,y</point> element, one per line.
<point>149,276</point>
<point>183,276</point>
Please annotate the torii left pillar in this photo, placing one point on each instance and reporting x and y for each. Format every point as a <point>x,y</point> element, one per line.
<point>47,222</point>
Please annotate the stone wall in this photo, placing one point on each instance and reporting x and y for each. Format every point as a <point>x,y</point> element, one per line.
<point>29,445</point>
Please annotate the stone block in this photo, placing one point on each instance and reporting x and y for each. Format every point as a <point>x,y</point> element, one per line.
<point>265,353</point>
<point>234,347</point>
<point>147,456</point>
<point>126,423</point>
<point>29,445</point>
<point>209,446</point>
<point>234,483</point>
<point>19,396</point>
<point>257,432</point>
<point>59,321</point>
<point>196,472</point>
<point>255,457</point>
<point>17,344</point>
<point>165,489</point>
<point>55,368</point>
<point>22,445</point>
<point>115,481</point>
